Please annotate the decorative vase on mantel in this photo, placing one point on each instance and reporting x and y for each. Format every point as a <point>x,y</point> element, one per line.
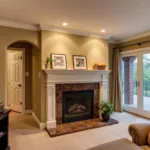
<point>47,66</point>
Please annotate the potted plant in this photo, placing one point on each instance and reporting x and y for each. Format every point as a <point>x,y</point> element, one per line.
<point>106,108</point>
<point>48,59</point>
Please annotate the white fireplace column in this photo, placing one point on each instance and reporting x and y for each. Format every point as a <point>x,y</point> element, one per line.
<point>54,77</point>
<point>104,88</point>
<point>50,105</point>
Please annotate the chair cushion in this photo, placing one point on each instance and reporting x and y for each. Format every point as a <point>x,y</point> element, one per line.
<point>148,138</point>
<point>145,147</point>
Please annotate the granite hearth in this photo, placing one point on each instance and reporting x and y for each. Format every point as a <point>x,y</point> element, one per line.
<point>79,126</point>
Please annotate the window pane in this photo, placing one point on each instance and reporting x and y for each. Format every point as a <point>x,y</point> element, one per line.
<point>146,82</point>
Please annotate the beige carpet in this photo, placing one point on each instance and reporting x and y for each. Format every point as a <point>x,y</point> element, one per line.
<point>22,124</point>
<point>24,135</point>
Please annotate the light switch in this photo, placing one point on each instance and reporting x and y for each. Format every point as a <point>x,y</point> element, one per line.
<point>39,74</point>
<point>27,74</point>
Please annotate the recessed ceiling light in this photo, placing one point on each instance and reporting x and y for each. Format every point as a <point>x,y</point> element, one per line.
<point>64,23</point>
<point>103,30</point>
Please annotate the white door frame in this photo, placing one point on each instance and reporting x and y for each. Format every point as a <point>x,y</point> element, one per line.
<point>139,53</point>
<point>128,107</point>
<point>23,77</point>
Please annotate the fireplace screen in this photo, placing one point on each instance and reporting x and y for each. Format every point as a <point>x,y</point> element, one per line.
<point>77,105</point>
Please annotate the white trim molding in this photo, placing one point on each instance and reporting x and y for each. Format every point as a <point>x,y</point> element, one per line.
<point>74,31</point>
<point>39,124</point>
<point>9,23</point>
<point>9,50</point>
<point>54,77</point>
<point>136,37</point>
<point>38,27</point>
<point>135,50</point>
<point>28,112</point>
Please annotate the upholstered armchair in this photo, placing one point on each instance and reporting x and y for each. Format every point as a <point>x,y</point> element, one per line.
<point>139,133</point>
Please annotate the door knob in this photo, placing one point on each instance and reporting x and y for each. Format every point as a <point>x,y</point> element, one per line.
<point>19,85</point>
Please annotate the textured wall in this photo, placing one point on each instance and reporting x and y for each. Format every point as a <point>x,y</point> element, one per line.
<point>7,37</point>
<point>96,50</point>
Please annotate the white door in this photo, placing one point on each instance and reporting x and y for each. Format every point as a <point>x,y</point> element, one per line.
<point>135,70</point>
<point>15,80</point>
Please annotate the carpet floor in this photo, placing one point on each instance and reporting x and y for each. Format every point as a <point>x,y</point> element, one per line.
<point>79,126</point>
<point>32,138</point>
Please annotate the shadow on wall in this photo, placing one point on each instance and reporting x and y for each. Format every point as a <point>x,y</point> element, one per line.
<point>96,50</point>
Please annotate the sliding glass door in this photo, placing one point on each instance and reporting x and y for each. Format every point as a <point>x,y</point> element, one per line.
<point>135,79</point>
<point>145,87</point>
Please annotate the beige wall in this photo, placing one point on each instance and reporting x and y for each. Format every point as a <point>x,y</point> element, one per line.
<point>7,37</point>
<point>36,82</point>
<point>96,50</point>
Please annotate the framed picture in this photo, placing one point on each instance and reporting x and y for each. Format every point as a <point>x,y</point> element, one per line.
<point>59,61</point>
<point>80,62</point>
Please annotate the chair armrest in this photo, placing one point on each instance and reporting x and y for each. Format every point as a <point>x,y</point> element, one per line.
<point>139,133</point>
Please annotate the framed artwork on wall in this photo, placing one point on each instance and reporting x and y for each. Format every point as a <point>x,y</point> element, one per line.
<point>59,61</point>
<point>79,62</point>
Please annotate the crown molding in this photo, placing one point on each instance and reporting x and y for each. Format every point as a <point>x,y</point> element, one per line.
<point>19,25</point>
<point>26,26</point>
<point>73,31</point>
<point>136,37</point>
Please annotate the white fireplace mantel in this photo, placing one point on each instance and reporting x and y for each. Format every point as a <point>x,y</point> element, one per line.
<point>54,77</point>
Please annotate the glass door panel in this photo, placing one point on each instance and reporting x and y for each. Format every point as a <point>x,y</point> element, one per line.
<point>129,81</point>
<point>146,82</point>
<point>135,70</point>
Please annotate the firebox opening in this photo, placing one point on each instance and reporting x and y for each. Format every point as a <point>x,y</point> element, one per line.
<point>77,105</point>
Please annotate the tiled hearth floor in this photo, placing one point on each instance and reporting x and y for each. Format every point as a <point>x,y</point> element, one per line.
<point>24,135</point>
<point>79,126</point>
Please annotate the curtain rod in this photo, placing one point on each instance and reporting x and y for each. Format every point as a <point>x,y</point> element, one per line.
<point>139,44</point>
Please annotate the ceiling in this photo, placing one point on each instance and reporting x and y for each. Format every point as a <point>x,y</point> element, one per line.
<point>120,18</point>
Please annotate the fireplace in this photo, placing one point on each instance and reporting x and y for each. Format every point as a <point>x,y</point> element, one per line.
<point>77,105</point>
<point>76,101</point>
<point>60,81</point>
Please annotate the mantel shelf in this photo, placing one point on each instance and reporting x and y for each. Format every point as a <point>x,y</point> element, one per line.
<point>48,71</point>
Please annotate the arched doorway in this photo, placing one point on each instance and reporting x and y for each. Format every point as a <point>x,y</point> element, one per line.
<point>23,66</point>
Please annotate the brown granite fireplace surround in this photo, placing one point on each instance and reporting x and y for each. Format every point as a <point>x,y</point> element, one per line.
<point>80,88</point>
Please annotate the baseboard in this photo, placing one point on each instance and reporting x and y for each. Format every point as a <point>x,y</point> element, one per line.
<point>6,107</point>
<point>51,124</point>
<point>39,124</point>
<point>28,112</point>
